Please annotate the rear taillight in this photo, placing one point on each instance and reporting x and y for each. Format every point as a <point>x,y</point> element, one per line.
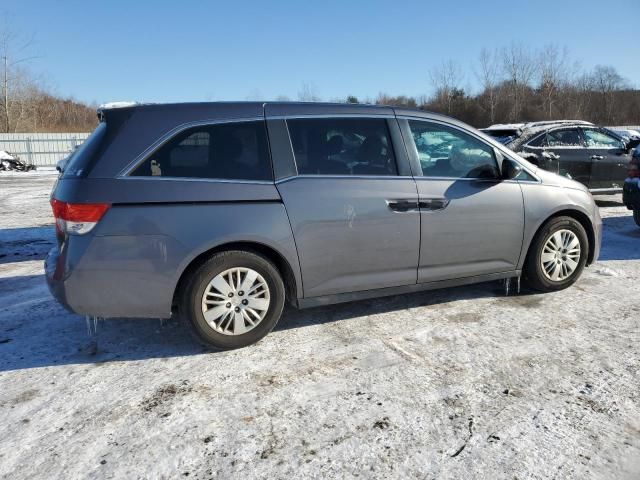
<point>77,218</point>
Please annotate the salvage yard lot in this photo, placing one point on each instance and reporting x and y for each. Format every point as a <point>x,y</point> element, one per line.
<point>460,383</point>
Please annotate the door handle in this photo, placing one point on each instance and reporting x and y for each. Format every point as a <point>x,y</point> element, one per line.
<point>551,155</point>
<point>402,205</point>
<point>433,204</point>
<point>597,157</point>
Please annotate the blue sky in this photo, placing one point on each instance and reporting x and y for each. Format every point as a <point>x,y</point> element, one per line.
<point>236,50</point>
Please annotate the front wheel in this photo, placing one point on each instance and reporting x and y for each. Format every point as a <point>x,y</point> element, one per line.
<point>233,300</point>
<point>636,217</point>
<point>557,255</point>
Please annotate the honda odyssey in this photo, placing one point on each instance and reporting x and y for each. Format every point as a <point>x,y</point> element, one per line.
<point>225,211</point>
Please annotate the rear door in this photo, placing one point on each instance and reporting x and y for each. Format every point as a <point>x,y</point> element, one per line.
<point>609,159</point>
<point>472,222</point>
<point>567,147</point>
<point>352,204</point>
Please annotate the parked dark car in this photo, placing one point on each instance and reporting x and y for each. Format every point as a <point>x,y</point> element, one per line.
<point>625,133</point>
<point>224,211</point>
<point>593,156</point>
<point>507,132</point>
<point>631,190</point>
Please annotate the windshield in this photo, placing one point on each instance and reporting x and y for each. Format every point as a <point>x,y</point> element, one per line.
<point>502,136</point>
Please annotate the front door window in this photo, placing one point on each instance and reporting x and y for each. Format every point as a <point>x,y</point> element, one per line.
<point>450,153</point>
<point>598,139</point>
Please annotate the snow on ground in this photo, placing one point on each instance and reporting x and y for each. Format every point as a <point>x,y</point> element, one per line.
<point>462,383</point>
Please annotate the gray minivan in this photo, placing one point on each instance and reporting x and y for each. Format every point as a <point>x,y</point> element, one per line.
<point>224,211</point>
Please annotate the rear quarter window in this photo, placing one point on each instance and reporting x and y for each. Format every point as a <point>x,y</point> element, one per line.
<point>539,141</point>
<point>79,161</point>
<point>229,151</point>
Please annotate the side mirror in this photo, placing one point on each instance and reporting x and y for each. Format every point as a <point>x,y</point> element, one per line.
<point>631,144</point>
<point>510,169</point>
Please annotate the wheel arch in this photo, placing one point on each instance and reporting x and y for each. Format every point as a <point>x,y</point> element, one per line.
<point>581,218</point>
<point>277,258</point>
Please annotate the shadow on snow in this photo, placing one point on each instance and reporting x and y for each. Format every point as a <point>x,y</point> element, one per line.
<point>25,244</point>
<point>39,333</point>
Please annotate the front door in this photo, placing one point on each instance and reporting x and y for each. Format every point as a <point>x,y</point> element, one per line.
<point>354,217</point>
<point>472,222</point>
<point>609,159</point>
<point>566,146</point>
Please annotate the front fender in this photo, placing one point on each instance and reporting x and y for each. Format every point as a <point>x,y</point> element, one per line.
<point>542,202</point>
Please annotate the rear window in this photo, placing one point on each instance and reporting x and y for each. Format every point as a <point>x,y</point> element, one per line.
<point>564,138</point>
<point>231,151</point>
<point>79,160</point>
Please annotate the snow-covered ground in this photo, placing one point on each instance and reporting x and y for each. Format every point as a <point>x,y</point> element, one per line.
<point>462,383</point>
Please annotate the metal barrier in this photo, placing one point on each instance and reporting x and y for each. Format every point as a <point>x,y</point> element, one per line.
<point>41,149</point>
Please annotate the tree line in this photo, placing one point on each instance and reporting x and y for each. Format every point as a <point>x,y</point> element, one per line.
<point>27,106</point>
<point>522,85</point>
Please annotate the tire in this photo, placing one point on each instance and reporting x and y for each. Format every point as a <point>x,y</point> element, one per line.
<point>230,331</point>
<point>539,275</point>
<point>636,217</point>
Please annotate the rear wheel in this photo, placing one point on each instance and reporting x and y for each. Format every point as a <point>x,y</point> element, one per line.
<point>636,217</point>
<point>557,255</point>
<point>233,300</point>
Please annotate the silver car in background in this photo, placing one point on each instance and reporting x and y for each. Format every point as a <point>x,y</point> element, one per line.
<point>224,211</point>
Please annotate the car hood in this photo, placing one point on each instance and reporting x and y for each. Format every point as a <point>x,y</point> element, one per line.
<point>549,178</point>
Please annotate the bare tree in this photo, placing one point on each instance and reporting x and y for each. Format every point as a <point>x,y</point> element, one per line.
<point>576,97</point>
<point>556,74</point>
<point>16,81</point>
<point>446,79</point>
<point>488,73</point>
<point>518,67</point>
<point>605,80</point>
<point>400,100</point>
<point>308,93</point>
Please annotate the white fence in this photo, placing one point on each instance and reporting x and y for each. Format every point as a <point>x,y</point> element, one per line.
<point>41,149</point>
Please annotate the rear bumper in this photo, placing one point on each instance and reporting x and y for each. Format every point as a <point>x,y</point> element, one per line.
<point>53,270</point>
<point>95,276</point>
